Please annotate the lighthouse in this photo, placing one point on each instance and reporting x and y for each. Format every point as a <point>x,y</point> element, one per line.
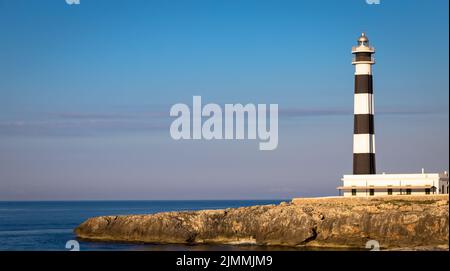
<point>364,132</point>
<point>364,182</point>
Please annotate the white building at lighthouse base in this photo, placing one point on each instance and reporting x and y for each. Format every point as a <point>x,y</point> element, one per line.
<point>394,184</point>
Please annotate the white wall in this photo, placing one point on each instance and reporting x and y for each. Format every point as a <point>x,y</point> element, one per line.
<point>391,179</point>
<point>444,183</point>
<point>403,180</point>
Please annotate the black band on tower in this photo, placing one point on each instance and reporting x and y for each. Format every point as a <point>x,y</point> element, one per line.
<point>363,124</point>
<point>364,163</point>
<point>363,83</point>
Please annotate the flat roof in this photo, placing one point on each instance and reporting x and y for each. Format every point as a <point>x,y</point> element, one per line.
<point>385,187</point>
<point>397,176</point>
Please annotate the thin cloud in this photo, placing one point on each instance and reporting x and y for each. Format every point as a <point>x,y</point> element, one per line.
<point>79,124</point>
<point>94,123</point>
<point>393,110</point>
<point>79,115</point>
<point>313,112</point>
<point>108,116</point>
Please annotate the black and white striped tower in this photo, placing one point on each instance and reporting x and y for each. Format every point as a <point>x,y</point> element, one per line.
<point>364,134</point>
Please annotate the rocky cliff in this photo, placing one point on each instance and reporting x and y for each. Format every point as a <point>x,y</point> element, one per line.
<point>394,222</point>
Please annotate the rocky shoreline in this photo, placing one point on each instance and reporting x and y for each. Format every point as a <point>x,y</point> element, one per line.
<point>395,222</point>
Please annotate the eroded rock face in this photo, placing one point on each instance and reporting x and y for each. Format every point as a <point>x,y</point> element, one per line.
<point>408,221</point>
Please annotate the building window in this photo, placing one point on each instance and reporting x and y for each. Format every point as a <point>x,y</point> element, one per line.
<point>390,191</point>
<point>408,191</point>
<point>371,192</point>
<point>353,192</point>
<point>443,190</point>
<point>427,191</point>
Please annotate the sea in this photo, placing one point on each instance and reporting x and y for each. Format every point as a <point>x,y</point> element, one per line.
<point>49,225</point>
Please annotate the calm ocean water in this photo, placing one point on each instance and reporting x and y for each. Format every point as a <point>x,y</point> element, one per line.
<point>49,225</point>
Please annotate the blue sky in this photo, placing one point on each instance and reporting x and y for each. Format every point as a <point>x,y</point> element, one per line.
<point>85,93</point>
